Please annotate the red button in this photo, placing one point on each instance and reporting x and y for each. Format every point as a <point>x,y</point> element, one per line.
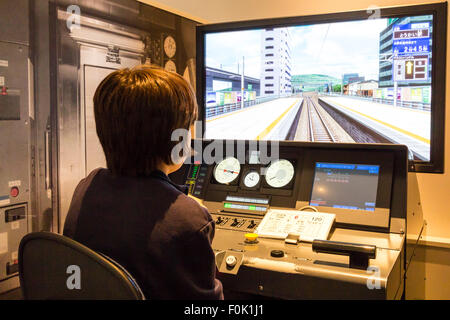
<point>14,192</point>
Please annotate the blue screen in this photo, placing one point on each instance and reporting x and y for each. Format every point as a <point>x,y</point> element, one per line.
<point>345,186</point>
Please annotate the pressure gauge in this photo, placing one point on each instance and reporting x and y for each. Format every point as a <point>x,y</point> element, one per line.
<point>170,46</point>
<point>227,170</point>
<point>170,66</point>
<point>251,179</point>
<point>279,173</point>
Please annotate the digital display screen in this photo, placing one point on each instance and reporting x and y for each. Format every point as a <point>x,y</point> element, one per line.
<point>250,200</point>
<point>345,186</point>
<point>194,171</point>
<point>250,207</point>
<point>308,82</point>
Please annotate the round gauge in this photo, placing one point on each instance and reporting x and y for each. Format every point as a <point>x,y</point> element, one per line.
<point>279,173</point>
<point>170,46</point>
<point>251,179</point>
<point>170,66</point>
<point>227,170</point>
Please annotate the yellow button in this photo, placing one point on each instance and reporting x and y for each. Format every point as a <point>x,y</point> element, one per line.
<point>251,237</point>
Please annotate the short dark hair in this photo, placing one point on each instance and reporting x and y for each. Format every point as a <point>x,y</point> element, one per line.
<point>136,110</point>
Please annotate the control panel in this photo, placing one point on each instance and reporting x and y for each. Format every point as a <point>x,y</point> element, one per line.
<point>238,223</point>
<point>361,187</point>
<point>15,158</point>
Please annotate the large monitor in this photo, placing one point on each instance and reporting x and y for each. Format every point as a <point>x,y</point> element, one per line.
<point>375,76</point>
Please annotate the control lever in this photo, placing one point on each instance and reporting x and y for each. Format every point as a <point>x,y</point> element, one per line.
<point>359,253</point>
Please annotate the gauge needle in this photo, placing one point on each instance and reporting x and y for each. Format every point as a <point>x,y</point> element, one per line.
<point>231,171</point>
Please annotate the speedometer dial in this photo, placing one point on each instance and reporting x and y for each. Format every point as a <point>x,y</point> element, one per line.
<point>279,173</point>
<point>251,179</point>
<point>227,170</point>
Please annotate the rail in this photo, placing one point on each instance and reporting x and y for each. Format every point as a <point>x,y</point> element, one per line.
<point>318,129</point>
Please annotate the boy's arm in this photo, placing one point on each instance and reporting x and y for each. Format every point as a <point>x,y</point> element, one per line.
<point>198,267</point>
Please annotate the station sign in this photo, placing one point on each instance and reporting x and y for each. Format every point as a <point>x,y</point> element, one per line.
<point>410,50</point>
<point>411,39</point>
<point>411,34</point>
<point>410,47</point>
<point>410,68</point>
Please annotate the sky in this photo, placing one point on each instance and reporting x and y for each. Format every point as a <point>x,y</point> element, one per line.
<point>330,49</point>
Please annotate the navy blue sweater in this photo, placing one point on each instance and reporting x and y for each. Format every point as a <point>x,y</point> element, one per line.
<point>149,226</point>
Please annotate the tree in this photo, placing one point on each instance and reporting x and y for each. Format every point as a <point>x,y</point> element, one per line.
<point>337,88</point>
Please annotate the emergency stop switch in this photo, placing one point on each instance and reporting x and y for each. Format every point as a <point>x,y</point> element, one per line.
<point>14,192</point>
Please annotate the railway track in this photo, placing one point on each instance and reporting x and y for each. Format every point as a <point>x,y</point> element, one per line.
<point>318,129</point>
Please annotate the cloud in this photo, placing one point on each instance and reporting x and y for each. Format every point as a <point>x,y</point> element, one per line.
<point>347,47</point>
<point>225,50</point>
<point>332,49</point>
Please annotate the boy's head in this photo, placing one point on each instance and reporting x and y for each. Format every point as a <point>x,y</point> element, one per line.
<point>136,110</point>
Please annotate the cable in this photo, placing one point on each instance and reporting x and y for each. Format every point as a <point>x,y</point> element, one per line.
<point>323,42</point>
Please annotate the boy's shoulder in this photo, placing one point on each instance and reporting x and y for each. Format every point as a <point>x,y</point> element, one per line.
<point>190,216</point>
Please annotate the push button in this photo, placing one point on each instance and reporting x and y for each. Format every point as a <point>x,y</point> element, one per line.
<point>251,237</point>
<point>277,253</point>
<point>14,192</point>
<point>231,261</point>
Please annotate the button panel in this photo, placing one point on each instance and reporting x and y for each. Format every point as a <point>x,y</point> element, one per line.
<point>240,223</point>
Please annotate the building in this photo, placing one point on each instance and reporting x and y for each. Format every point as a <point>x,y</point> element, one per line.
<point>276,60</point>
<point>356,79</point>
<point>222,79</point>
<point>346,77</point>
<point>386,52</point>
<point>363,88</point>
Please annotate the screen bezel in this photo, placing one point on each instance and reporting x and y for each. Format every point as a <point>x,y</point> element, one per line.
<point>439,47</point>
<point>382,214</point>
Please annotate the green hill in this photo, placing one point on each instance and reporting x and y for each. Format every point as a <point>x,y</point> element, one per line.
<point>310,82</point>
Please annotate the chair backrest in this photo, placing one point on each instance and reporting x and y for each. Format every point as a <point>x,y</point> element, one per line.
<point>55,267</point>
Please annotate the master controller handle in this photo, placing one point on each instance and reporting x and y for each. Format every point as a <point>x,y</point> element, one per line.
<point>359,253</point>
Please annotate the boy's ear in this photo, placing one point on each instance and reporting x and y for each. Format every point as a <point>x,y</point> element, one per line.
<point>192,128</point>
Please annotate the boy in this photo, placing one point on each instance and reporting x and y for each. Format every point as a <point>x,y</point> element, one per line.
<point>131,211</point>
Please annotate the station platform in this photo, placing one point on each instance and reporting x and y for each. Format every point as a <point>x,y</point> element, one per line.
<point>266,121</point>
<point>273,120</point>
<point>400,125</point>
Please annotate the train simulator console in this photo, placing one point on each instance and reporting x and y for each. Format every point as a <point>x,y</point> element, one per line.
<point>298,220</point>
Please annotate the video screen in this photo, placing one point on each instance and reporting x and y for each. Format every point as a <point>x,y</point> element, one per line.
<point>365,81</point>
<point>345,186</point>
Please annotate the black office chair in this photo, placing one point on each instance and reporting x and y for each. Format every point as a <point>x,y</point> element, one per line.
<point>55,267</point>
